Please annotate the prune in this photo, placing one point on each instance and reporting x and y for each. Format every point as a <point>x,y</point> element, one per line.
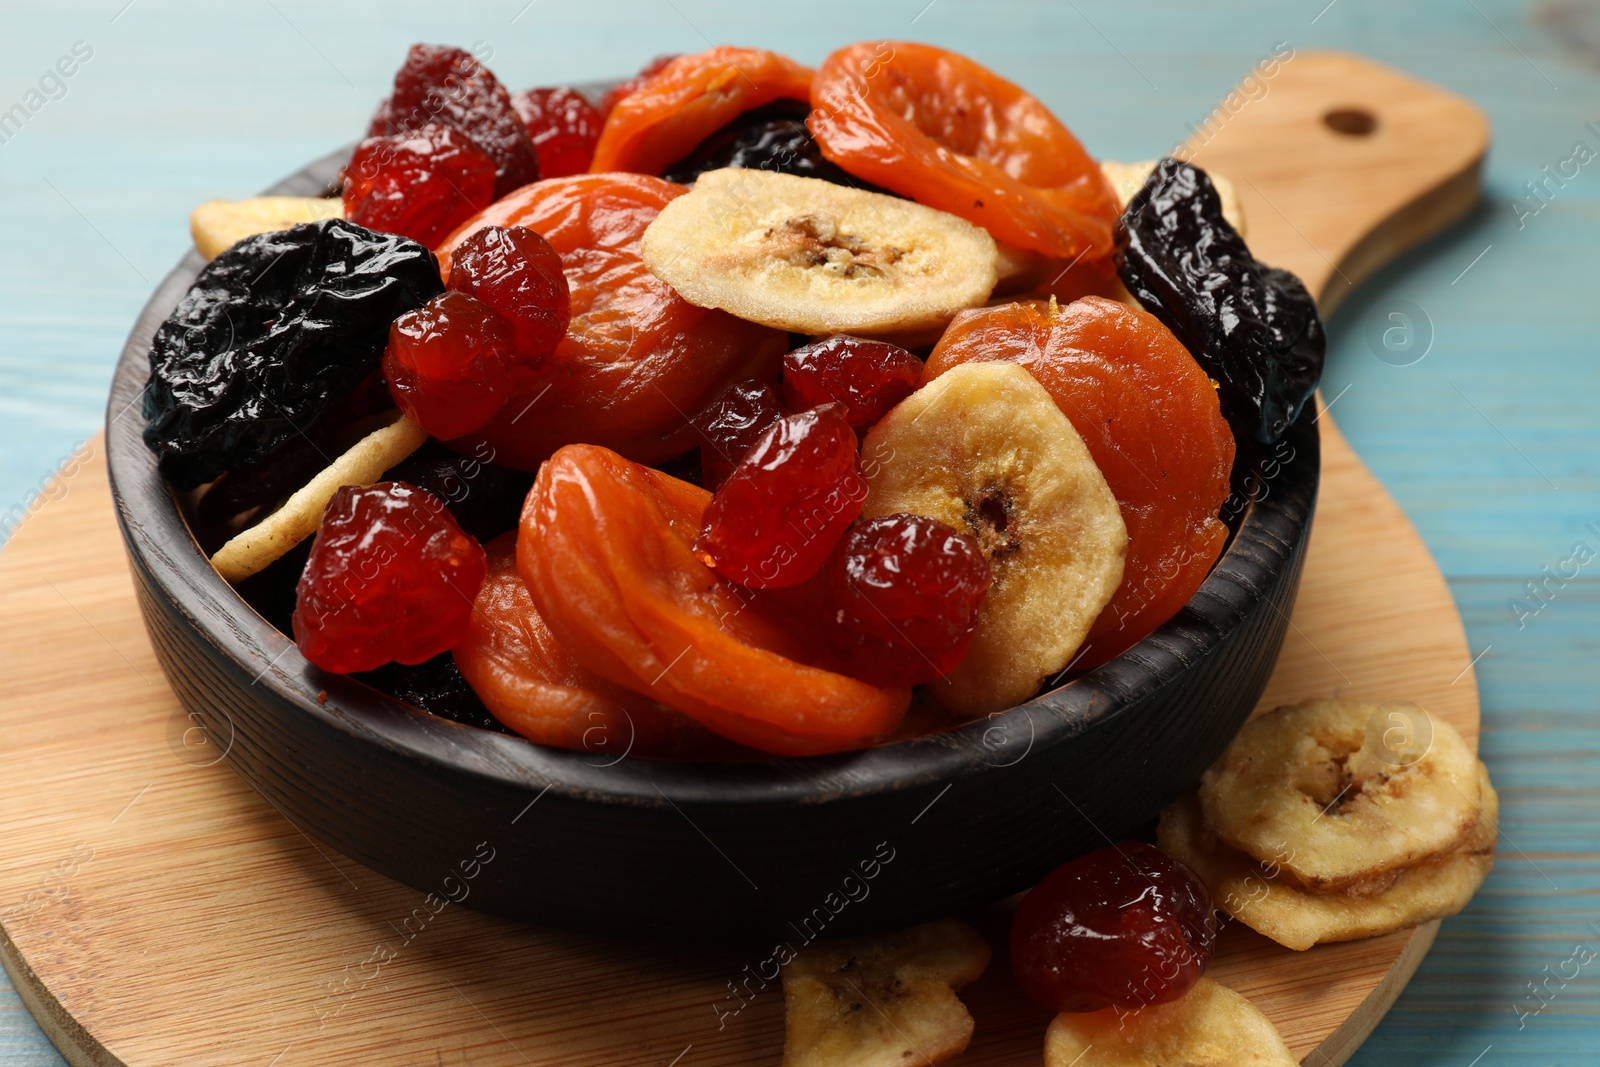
<point>448,86</point>
<point>419,185</point>
<point>391,577</point>
<point>772,137</point>
<point>1253,328</point>
<point>732,425</point>
<point>484,496</point>
<point>436,687</point>
<point>449,364</point>
<point>952,134</point>
<point>905,592</point>
<point>866,377</point>
<point>777,517</point>
<point>564,127</point>
<point>1127,926</point>
<point>515,271</point>
<point>272,334</point>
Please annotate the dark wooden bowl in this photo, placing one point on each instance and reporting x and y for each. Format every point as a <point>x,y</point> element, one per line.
<point>792,848</point>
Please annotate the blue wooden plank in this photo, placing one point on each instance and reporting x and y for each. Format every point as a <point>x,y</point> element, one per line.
<point>1491,442</point>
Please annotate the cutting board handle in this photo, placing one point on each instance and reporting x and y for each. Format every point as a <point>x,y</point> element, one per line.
<point>1367,162</point>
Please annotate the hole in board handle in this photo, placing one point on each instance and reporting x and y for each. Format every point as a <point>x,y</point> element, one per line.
<point>1351,121</point>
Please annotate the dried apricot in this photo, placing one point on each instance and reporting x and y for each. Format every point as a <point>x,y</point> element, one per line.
<point>950,133</point>
<point>663,119</point>
<point>638,361</point>
<point>531,683</point>
<point>606,550</point>
<point>1152,422</point>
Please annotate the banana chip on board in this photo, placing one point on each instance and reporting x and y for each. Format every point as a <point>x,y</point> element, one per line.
<point>812,257</point>
<point>1340,791</point>
<point>1210,1024</point>
<point>1257,895</point>
<point>885,1000</point>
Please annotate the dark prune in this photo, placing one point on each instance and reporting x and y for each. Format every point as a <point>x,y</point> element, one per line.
<point>485,498</point>
<point>272,334</point>
<point>436,687</point>
<point>448,86</point>
<point>1253,328</point>
<point>772,137</point>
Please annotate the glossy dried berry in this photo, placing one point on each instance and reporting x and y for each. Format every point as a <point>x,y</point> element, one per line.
<point>732,425</point>
<point>563,126</point>
<point>772,137</point>
<point>391,577</point>
<point>1127,926</point>
<point>904,592</point>
<point>449,364</point>
<point>779,514</point>
<point>866,378</point>
<point>1253,328</point>
<point>447,86</point>
<point>419,185</point>
<point>515,271</point>
<point>272,334</point>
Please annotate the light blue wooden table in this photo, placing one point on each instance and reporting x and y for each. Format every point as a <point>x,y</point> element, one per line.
<point>1491,442</point>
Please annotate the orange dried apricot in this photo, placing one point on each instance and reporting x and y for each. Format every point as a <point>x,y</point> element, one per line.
<point>531,683</point>
<point>606,548</point>
<point>689,99</point>
<point>1152,422</point>
<point>950,133</point>
<point>638,361</point>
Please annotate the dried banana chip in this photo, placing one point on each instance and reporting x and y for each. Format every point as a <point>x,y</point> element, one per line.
<point>1128,178</point>
<point>252,550</point>
<point>1261,898</point>
<point>218,225</point>
<point>882,1001</point>
<point>809,256</point>
<point>1349,789</point>
<point>1210,1025</point>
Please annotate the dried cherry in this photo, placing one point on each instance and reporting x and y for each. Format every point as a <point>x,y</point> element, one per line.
<point>1150,419</point>
<point>1253,328</point>
<point>776,518</point>
<point>531,683</point>
<point>1126,927</point>
<point>731,426</point>
<point>771,137</point>
<point>391,577</point>
<point>449,364</point>
<point>515,271</point>
<point>445,85</point>
<point>866,378</point>
<point>271,335</point>
<point>937,127</point>
<point>904,592</point>
<point>563,126</point>
<point>638,360</point>
<point>606,551</point>
<point>420,185</point>
<point>688,100</point>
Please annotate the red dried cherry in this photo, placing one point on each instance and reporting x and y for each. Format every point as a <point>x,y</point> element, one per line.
<point>904,593</point>
<point>450,364</point>
<point>516,272</point>
<point>391,577</point>
<point>778,515</point>
<point>420,185</point>
<point>732,425</point>
<point>563,127</point>
<point>1127,926</point>
<point>866,377</point>
<point>447,86</point>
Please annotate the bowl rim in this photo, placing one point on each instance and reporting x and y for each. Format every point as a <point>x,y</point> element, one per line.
<point>161,544</point>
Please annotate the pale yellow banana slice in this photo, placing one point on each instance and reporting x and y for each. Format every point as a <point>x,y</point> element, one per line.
<point>1341,791</point>
<point>218,225</point>
<point>809,256</point>
<point>886,1000</point>
<point>984,449</point>
<point>1262,897</point>
<point>1128,178</point>
<point>1210,1025</point>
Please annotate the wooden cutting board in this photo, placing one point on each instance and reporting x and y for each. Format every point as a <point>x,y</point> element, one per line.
<point>155,911</point>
